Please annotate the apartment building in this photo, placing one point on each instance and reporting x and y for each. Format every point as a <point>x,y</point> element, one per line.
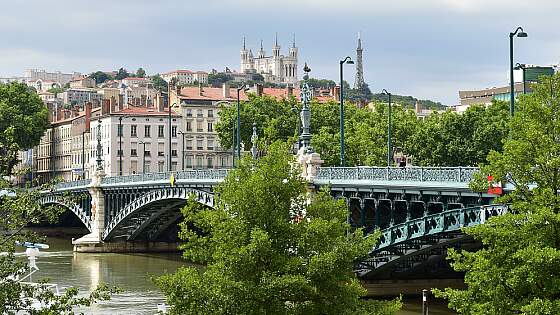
<point>186,77</point>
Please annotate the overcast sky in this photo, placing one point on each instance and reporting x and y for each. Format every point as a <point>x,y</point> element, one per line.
<point>426,48</point>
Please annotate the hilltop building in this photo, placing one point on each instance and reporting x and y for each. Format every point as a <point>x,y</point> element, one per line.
<point>276,68</point>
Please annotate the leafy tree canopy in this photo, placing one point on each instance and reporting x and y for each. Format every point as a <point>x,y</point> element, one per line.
<point>100,77</point>
<point>23,120</point>
<point>409,101</point>
<point>140,73</point>
<point>518,269</point>
<point>159,83</point>
<point>122,74</point>
<point>268,251</point>
<point>216,80</point>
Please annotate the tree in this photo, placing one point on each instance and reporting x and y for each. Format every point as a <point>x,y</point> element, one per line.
<point>100,77</point>
<point>217,79</point>
<point>257,77</point>
<point>518,269</point>
<point>55,90</point>
<point>321,83</point>
<point>122,74</point>
<point>159,83</point>
<point>140,73</point>
<point>23,120</point>
<point>268,251</point>
<point>452,139</point>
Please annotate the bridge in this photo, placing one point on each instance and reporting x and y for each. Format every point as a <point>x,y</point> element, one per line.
<point>420,210</point>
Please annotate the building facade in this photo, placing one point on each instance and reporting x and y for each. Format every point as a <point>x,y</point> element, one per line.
<point>57,76</point>
<point>186,77</point>
<point>79,96</point>
<point>281,69</point>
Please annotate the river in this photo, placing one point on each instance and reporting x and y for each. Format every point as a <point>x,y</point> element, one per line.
<point>132,273</point>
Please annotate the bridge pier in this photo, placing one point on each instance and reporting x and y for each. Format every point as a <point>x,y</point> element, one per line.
<point>97,214</point>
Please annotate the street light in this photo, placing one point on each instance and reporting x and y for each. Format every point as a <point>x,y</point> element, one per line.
<point>183,151</point>
<point>522,66</point>
<point>143,157</point>
<point>389,144</point>
<point>349,61</point>
<point>169,160</point>
<point>520,33</point>
<point>245,89</point>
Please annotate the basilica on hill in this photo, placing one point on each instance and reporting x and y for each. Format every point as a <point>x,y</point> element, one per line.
<point>276,68</point>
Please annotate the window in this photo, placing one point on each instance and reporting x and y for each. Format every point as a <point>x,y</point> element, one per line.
<point>160,166</point>
<point>210,113</point>
<point>147,131</point>
<point>210,162</point>
<point>210,127</point>
<point>161,149</point>
<point>160,131</point>
<point>120,130</point>
<point>133,167</point>
<point>189,112</point>
<point>199,126</point>
<point>173,152</point>
<point>174,131</point>
<point>119,152</point>
<point>133,152</point>
<point>133,131</point>
<point>189,145</point>
<point>189,126</point>
<point>146,167</point>
<point>189,161</point>
<point>173,166</point>
<point>210,144</point>
<point>199,162</point>
<point>199,144</point>
<point>199,113</point>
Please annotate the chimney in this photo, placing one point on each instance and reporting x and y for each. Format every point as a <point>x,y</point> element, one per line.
<point>336,93</point>
<point>290,91</point>
<point>225,88</point>
<point>59,114</point>
<point>122,101</point>
<point>417,107</point>
<point>88,115</point>
<point>112,104</point>
<point>106,106</point>
<point>200,89</point>
<point>259,89</point>
<point>161,107</point>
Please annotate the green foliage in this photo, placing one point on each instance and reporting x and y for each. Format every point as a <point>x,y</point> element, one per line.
<point>359,95</point>
<point>55,90</point>
<point>100,77</point>
<point>518,269</point>
<point>409,101</point>
<point>268,251</point>
<point>216,80</point>
<point>159,83</point>
<point>140,73</point>
<point>122,74</point>
<point>321,83</point>
<point>23,120</point>
<point>452,139</point>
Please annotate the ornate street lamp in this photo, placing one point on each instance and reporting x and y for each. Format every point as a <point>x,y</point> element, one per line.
<point>305,114</point>
<point>520,33</point>
<point>349,61</point>
<point>389,143</point>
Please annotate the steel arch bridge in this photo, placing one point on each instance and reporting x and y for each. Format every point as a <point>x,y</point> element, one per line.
<point>420,211</point>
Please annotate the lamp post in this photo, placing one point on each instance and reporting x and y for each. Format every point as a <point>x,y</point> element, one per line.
<point>520,33</point>
<point>349,61</point>
<point>169,124</point>
<point>522,66</point>
<point>389,143</point>
<point>244,88</point>
<point>183,151</point>
<point>143,157</point>
<point>120,145</point>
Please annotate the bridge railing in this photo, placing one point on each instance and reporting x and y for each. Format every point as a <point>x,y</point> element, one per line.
<point>420,174</point>
<point>208,174</point>
<point>73,184</point>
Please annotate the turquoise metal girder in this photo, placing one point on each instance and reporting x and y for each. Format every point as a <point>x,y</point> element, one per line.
<point>401,244</point>
<point>81,208</point>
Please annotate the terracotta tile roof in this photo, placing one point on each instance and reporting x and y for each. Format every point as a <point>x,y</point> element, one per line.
<point>144,111</point>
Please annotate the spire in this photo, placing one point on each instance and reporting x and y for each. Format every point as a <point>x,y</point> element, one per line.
<point>359,41</point>
<point>276,39</point>
<point>261,45</point>
<point>244,43</point>
<point>294,41</point>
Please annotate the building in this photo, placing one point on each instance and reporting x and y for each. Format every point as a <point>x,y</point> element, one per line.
<point>142,142</point>
<point>32,75</point>
<point>79,96</point>
<point>82,82</point>
<point>137,82</point>
<point>276,68</point>
<point>186,77</point>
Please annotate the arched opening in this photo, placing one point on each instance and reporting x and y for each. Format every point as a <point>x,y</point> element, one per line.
<point>67,225</point>
<point>369,209</point>
<point>355,212</point>
<point>384,213</point>
<point>400,211</point>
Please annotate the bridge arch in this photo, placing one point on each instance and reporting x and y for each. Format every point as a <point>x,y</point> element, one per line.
<point>152,211</point>
<point>66,203</point>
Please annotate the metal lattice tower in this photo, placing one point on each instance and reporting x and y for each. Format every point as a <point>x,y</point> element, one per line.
<point>359,82</point>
